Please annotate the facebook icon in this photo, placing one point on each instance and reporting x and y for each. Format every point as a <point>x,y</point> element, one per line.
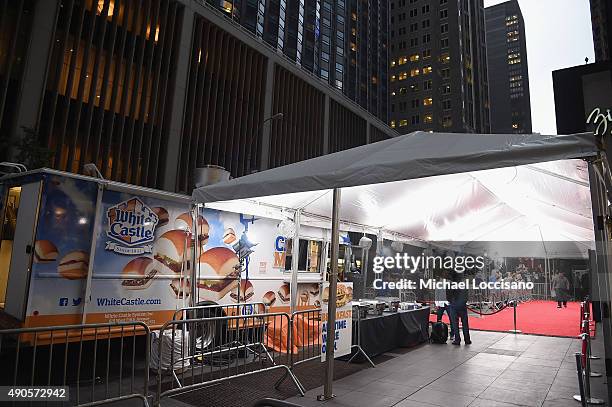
<point>63,302</point>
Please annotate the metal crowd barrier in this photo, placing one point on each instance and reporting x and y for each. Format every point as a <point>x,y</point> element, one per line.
<point>239,345</point>
<point>99,363</point>
<point>583,360</point>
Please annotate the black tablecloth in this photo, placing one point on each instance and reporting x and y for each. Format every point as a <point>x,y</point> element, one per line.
<point>380,334</point>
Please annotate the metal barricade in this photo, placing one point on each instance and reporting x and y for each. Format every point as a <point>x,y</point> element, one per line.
<point>99,363</point>
<point>240,345</point>
<point>305,336</point>
<point>540,291</point>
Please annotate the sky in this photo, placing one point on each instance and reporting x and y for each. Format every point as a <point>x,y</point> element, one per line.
<point>558,36</point>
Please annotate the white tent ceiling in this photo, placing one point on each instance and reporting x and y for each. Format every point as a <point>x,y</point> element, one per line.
<point>535,202</point>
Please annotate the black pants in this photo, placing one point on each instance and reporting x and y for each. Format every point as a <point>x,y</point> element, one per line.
<point>561,302</point>
<point>456,314</point>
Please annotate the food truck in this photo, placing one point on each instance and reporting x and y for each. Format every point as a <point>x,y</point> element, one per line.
<point>78,249</point>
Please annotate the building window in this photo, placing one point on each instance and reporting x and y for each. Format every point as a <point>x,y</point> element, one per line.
<point>426,53</point>
<point>425,9</point>
<point>426,38</point>
<point>446,89</point>
<point>392,62</point>
<point>447,121</point>
<point>415,103</point>
<point>444,13</point>
<point>414,42</point>
<point>414,57</point>
<point>414,87</point>
<point>427,85</point>
<point>416,119</point>
<point>414,12</point>
<point>445,58</point>
<point>427,70</point>
<point>414,72</point>
<point>425,23</point>
<point>427,101</point>
<point>403,123</point>
<point>428,118</point>
<point>392,124</point>
<point>414,27</point>
<point>392,78</point>
<point>402,60</point>
<point>515,126</point>
<point>402,76</point>
<point>446,104</point>
<point>444,28</point>
<point>444,43</point>
<point>445,73</point>
<point>402,91</point>
<point>443,2</point>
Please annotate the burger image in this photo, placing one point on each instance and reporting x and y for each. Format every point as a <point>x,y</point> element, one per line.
<point>169,252</point>
<point>344,295</point>
<point>269,298</point>
<point>162,215</point>
<point>181,287</point>
<point>138,274</point>
<point>44,251</point>
<point>304,297</point>
<point>284,292</point>
<point>185,222</point>
<point>314,290</point>
<point>246,291</point>
<point>74,265</point>
<point>229,236</point>
<point>221,268</point>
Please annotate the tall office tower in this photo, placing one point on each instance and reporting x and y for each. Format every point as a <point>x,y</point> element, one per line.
<point>343,42</point>
<point>601,20</point>
<point>508,70</point>
<point>438,70</point>
<point>151,90</point>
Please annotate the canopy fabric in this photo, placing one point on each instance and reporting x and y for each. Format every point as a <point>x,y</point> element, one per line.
<point>411,156</point>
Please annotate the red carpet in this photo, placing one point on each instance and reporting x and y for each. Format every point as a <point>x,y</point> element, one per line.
<point>533,317</point>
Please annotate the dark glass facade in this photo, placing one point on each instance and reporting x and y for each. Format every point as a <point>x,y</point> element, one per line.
<point>150,90</point>
<point>508,69</point>
<point>601,21</point>
<point>438,69</point>
<point>343,42</point>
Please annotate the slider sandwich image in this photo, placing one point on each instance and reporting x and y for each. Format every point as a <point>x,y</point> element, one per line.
<point>220,269</point>
<point>74,265</point>
<point>269,298</point>
<point>246,291</point>
<point>138,274</point>
<point>45,251</point>
<point>185,222</point>
<point>284,292</point>
<point>229,236</point>
<point>162,215</point>
<point>181,287</point>
<point>170,252</point>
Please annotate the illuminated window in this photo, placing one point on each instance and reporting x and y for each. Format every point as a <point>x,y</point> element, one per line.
<point>392,124</point>
<point>393,62</point>
<point>428,118</point>
<point>515,126</point>
<point>111,7</point>
<point>403,122</point>
<point>402,76</point>
<point>445,58</point>
<point>402,60</point>
<point>414,72</point>
<point>427,101</point>
<point>447,121</point>
<point>414,87</point>
<point>393,93</point>
<point>426,53</point>
<point>414,57</point>
<point>392,78</point>
<point>427,70</point>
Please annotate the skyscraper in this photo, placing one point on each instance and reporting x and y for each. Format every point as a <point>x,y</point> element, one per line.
<point>151,90</point>
<point>508,70</point>
<point>438,69</point>
<point>601,21</point>
<point>343,42</point>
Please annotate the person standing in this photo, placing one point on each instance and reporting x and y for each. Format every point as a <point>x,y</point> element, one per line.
<point>458,307</point>
<point>561,286</point>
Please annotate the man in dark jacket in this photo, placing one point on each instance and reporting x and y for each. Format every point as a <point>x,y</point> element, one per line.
<point>458,310</point>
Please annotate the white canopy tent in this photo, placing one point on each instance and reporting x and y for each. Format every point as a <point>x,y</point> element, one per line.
<point>398,189</point>
<point>426,186</point>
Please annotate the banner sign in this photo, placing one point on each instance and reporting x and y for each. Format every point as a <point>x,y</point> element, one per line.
<point>343,333</point>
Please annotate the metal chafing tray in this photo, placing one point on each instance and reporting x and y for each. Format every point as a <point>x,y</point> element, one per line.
<point>375,307</point>
<point>391,303</point>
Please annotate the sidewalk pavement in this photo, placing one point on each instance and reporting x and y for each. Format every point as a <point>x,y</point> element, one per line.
<point>497,370</point>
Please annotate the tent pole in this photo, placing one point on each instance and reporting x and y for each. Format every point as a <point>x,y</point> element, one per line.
<point>331,307</point>
<point>295,260</point>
